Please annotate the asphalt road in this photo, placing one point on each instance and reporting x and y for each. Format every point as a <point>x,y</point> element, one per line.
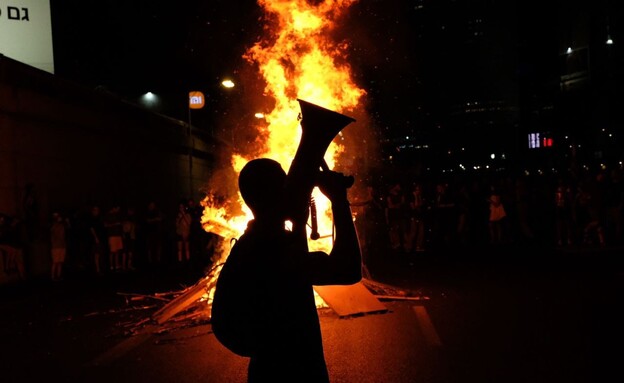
<point>510,315</point>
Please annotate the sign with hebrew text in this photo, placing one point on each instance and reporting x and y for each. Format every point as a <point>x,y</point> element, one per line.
<point>26,32</point>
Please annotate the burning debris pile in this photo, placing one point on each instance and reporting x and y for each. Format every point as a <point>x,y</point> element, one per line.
<point>297,58</point>
<point>162,312</point>
<point>190,306</point>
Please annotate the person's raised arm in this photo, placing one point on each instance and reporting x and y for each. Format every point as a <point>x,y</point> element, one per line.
<point>345,256</point>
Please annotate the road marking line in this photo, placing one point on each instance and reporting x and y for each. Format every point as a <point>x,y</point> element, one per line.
<point>429,331</point>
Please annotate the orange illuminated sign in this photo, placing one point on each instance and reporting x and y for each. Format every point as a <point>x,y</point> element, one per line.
<point>196,100</point>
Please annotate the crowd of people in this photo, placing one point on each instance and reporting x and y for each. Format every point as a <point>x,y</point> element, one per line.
<point>394,217</point>
<point>419,215</point>
<point>110,239</point>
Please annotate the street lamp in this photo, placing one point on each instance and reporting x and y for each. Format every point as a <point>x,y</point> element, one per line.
<point>149,100</point>
<point>228,83</point>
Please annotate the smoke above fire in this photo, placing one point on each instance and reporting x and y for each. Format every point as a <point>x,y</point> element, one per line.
<point>297,57</point>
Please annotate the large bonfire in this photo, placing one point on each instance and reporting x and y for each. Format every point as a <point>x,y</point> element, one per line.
<point>297,60</point>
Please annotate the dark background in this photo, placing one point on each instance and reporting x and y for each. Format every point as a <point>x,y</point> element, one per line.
<point>455,79</point>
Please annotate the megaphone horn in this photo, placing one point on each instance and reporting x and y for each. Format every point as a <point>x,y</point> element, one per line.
<point>319,126</point>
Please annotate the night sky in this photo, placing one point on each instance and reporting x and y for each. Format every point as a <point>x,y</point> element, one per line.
<point>162,46</point>
<point>407,54</point>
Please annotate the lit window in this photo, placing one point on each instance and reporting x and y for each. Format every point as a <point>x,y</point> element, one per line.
<point>534,140</point>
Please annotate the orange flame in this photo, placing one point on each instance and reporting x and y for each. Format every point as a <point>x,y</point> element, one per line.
<point>297,59</point>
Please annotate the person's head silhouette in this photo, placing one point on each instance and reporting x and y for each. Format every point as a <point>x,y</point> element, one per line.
<point>261,184</point>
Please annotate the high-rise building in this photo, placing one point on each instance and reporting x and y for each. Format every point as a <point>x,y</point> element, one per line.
<point>513,85</point>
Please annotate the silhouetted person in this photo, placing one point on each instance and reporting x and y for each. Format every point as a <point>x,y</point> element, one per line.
<point>497,218</point>
<point>58,245</point>
<point>444,223</point>
<point>98,239</point>
<point>183,232</point>
<point>264,301</point>
<point>370,224</point>
<point>129,232</point>
<point>12,244</point>
<point>396,214</point>
<point>614,205</point>
<point>417,205</point>
<point>114,232</point>
<point>564,201</point>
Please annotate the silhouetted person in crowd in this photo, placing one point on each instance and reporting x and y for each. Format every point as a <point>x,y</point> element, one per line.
<point>99,241</point>
<point>614,204</point>
<point>595,193</point>
<point>497,218</point>
<point>464,214</point>
<point>129,230</point>
<point>417,206</point>
<point>564,203</point>
<point>11,245</point>
<point>444,225</point>
<point>396,214</point>
<point>5,251</point>
<point>58,245</point>
<point>114,231</point>
<point>12,241</point>
<point>370,223</point>
<point>264,293</point>
<point>183,232</point>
